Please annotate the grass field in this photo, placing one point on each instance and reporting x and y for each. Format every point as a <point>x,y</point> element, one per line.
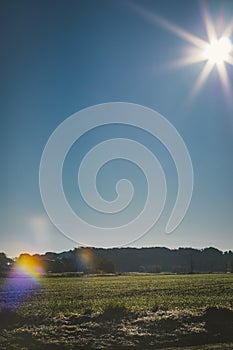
<point>133,311</point>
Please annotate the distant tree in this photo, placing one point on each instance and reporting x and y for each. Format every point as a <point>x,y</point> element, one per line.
<point>57,266</point>
<point>214,260</point>
<point>182,260</point>
<point>153,269</point>
<point>231,266</point>
<point>105,265</point>
<point>68,264</point>
<point>229,261</point>
<point>5,262</point>
<point>142,269</point>
<point>180,269</point>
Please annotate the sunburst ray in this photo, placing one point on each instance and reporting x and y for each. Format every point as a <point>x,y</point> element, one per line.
<point>217,51</point>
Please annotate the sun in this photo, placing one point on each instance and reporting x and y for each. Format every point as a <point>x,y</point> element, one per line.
<point>218,51</point>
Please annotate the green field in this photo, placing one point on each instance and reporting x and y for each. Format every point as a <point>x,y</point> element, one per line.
<point>154,311</point>
<point>136,292</point>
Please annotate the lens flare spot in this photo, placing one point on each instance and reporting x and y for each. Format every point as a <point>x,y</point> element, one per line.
<point>23,280</point>
<point>86,255</point>
<point>29,266</point>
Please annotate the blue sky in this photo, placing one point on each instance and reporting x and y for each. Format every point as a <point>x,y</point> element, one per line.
<point>59,57</point>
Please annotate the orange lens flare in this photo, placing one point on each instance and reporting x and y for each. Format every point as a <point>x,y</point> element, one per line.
<point>29,266</point>
<point>86,255</point>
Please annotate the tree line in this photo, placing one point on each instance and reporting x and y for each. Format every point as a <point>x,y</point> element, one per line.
<point>122,260</point>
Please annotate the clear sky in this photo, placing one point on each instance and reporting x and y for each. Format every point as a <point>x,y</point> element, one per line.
<point>58,57</point>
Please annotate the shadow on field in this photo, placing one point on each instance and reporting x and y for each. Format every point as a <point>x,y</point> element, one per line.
<point>9,318</point>
<point>219,322</point>
<point>116,328</point>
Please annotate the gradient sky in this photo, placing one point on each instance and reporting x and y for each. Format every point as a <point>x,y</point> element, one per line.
<point>58,57</point>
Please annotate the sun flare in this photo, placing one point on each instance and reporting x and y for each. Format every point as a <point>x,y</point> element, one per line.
<point>218,51</point>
